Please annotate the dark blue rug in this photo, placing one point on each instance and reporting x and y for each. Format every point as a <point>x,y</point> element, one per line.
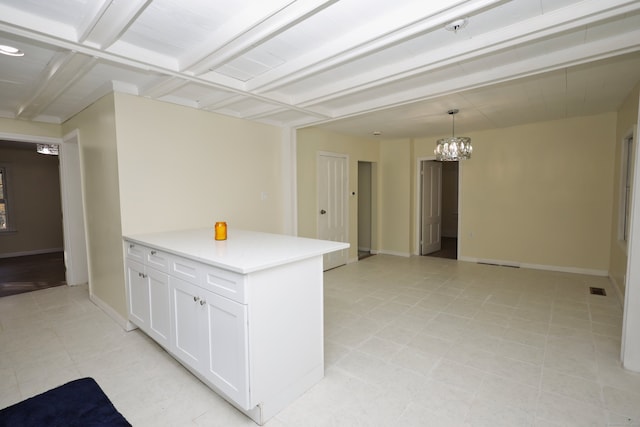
<point>77,403</point>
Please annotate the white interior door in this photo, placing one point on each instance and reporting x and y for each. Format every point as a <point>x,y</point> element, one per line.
<point>431,207</point>
<point>332,205</point>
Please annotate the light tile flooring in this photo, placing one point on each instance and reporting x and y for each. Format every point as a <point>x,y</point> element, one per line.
<point>409,342</point>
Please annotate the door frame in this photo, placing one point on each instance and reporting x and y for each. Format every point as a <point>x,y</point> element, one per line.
<point>69,253</point>
<point>369,207</point>
<point>418,204</point>
<point>73,219</point>
<point>428,166</point>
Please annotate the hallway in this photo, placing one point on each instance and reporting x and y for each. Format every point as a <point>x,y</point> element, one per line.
<point>449,249</point>
<point>31,272</point>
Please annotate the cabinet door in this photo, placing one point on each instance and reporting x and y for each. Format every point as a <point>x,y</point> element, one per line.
<point>227,365</point>
<point>138,294</point>
<point>188,343</point>
<point>159,307</point>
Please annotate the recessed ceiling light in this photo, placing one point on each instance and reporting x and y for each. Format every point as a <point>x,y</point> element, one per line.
<point>10,50</point>
<point>457,25</point>
<point>377,133</point>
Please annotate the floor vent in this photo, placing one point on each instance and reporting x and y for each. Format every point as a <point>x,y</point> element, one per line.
<point>597,291</point>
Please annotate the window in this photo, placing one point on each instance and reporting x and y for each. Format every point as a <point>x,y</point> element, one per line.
<point>4,221</point>
<point>625,187</point>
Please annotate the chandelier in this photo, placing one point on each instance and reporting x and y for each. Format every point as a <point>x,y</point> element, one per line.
<point>453,148</point>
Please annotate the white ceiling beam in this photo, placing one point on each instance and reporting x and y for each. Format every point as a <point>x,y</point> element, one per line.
<point>543,26</point>
<point>596,50</point>
<point>242,36</point>
<point>136,64</point>
<point>373,36</point>
<point>111,21</point>
<point>94,12</point>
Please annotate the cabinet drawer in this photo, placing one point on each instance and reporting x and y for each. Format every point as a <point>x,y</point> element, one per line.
<point>135,251</point>
<point>157,259</point>
<point>185,269</point>
<point>225,283</point>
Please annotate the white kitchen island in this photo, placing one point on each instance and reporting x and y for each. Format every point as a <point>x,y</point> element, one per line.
<point>244,314</point>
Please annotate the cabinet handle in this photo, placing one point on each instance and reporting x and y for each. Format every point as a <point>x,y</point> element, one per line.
<point>196,299</point>
<point>131,246</point>
<point>153,252</point>
<point>140,275</point>
<point>202,302</point>
<point>144,276</point>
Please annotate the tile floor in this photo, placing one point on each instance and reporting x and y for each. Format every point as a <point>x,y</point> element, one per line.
<point>409,342</point>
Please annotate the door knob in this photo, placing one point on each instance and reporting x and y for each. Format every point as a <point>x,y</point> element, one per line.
<point>322,212</point>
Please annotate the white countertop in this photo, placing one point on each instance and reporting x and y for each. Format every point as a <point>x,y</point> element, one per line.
<point>243,251</point>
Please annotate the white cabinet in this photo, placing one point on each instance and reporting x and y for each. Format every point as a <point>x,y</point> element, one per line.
<point>148,292</point>
<point>244,315</point>
<point>210,336</point>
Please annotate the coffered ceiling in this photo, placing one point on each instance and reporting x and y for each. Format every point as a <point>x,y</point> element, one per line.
<point>353,66</point>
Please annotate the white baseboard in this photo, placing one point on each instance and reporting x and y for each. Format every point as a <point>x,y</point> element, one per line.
<point>114,315</point>
<point>34,252</point>
<point>562,269</point>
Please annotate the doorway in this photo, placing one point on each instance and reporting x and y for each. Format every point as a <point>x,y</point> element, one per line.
<point>439,214</point>
<point>365,203</point>
<point>70,265</point>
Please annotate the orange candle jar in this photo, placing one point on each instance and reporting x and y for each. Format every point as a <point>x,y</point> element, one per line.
<point>221,230</point>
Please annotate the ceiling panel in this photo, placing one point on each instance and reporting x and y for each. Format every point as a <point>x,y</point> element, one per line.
<point>182,24</point>
<point>352,65</point>
<point>63,12</point>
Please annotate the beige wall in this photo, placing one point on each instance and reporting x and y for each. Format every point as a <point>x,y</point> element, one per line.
<point>626,121</point>
<point>151,166</point>
<point>184,168</point>
<point>34,194</point>
<point>309,142</point>
<point>99,169</point>
<point>22,127</point>
<point>539,194</point>
<point>396,188</point>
